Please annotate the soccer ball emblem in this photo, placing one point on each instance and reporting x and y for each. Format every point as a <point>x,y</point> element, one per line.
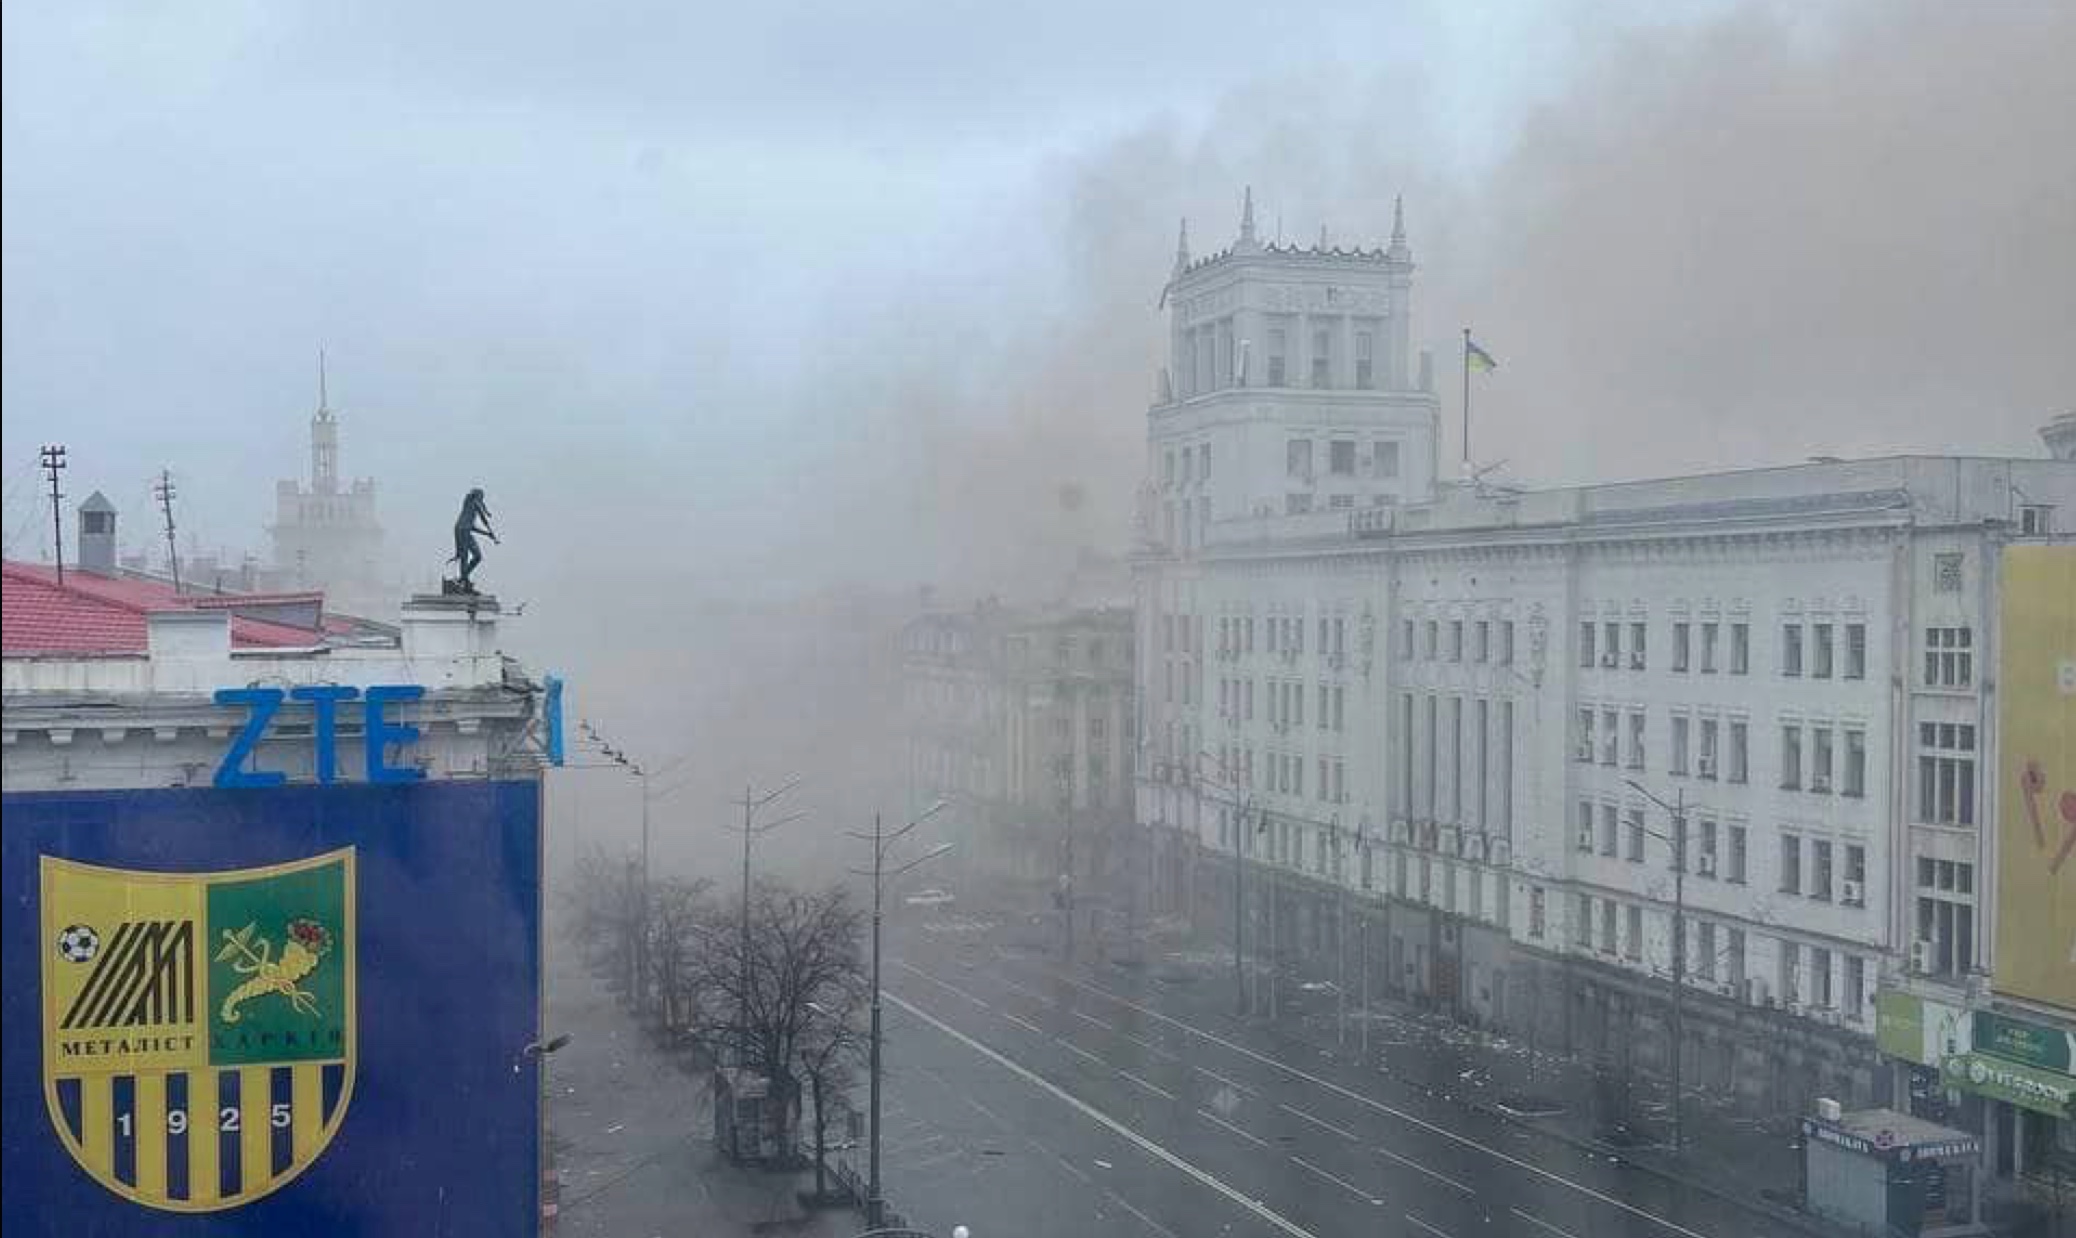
<point>78,943</point>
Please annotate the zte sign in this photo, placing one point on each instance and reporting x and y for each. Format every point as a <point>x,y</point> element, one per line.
<point>327,702</point>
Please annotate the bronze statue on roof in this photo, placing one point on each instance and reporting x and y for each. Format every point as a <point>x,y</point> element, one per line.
<point>474,519</point>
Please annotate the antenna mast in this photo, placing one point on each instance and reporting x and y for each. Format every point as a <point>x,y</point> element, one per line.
<point>54,460</point>
<point>163,492</point>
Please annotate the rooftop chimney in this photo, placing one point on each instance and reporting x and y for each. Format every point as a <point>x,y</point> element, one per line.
<point>97,535</point>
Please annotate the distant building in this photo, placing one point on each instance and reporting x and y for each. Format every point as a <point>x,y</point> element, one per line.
<point>1422,710</point>
<point>325,534</point>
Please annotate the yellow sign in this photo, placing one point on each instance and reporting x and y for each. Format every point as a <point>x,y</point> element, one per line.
<point>198,1028</point>
<point>2036,787</point>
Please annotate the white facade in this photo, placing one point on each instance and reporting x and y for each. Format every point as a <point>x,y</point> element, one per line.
<point>1442,701</point>
<point>121,722</point>
<point>326,535</point>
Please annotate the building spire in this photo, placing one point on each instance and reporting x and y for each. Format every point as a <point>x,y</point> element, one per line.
<point>1247,218</point>
<point>324,403</point>
<point>1399,249</point>
<point>1182,247</point>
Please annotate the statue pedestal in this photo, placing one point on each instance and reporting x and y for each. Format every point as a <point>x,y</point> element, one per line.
<point>447,625</point>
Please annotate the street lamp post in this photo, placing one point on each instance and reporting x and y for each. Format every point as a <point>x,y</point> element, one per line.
<point>750,803</point>
<point>875,1202</point>
<point>1243,810</point>
<point>1678,842</point>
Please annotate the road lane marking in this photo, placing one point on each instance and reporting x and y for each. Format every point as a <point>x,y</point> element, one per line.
<point>1234,1084</point>
<point>1381,1107</point>
<point>943,984</point>
<point>1024,1023</point>
<point>1156,1089</point>
<point>1343,1183</point>
<point>1145,1220</point>
<point>1087,1110</point>
<point>1085,1016</point>
<point>1320,1122</point>
<point>1437,1175</point>
<point>1256,1140</point>
<point>1149,1046</point>
<point>1424,1225</point>
<point>1071,1047</point>
<point>1533,1219</point>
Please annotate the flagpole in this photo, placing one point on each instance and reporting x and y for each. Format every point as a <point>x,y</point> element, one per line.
<point>1466,401</point>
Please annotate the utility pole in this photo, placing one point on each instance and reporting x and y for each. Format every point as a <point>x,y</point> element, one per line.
<point>53,461</point>
<point>875,1200</point>
<point>163,492</point>
<point>1065,772</point>
<point>751,803</point>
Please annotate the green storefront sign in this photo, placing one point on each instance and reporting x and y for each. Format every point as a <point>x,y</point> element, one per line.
<point>2019,1041</point>
<point>2021,1085</point>
<point>1899,1025</point>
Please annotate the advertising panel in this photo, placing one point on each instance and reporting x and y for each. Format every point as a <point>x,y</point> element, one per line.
<point>2036,815</point>
<point>277,1010</point>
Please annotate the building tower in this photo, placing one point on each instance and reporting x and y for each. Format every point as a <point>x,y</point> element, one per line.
<point>325,534</point>
<point>1291,387</point>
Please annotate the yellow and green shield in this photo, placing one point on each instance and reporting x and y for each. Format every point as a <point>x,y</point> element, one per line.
<point>198,1028</point>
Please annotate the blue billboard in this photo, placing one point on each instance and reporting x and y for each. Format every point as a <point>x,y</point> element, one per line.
<point>277,1010</point>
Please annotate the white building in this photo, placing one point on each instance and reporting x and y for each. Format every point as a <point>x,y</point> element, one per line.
<point>1443,710</point>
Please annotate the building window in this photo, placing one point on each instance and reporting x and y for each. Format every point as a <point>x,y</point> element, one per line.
<point>1820,636</point>
<point>1855,762</point>
<point>1708,748</point>
<point>1610,736</point>
<point>1611,638</point>
<point>1820,977</point>
<point>1484,646</point>
<point>1820,760</point>
<point>1582,922</point>
<point>1944,922</point>
<point>1586,826</point>
<point>1853,1000</point>
<point>1790,973</point>
<point>1365,360</point>
<point>1405,639</point>
<point>1791,649</point>
<point>1279,350</point>
<point>1322,360</point>
<point>1537,910</point>
<point>1434,636</point>
<point>1607,830</point>
<point>1706,865</point>
<point>1946,572</point>
<point>1855,651</point>
<point>1790,864</point>
<point>1949,657</point>
<point>1740,648</point>
<point>1855,893</point>
<point>1636,646</point>
<point>1681,633</point>
<point>1635,831</point>
<point>1636,740</point>
<point>1586,633</point>
<point>1737,855</point>
<point>1733,971</point>
<point>1456,640</point>
<point>1679,745</point>
<point>1586,736</point>
<point>1385,457</point>
<point>1946,773</point>
<point>1632,948</point>
<point>1297,504</point>
<point>1607,926</point>
<point>1506,643</point>
<point>1708,648</point>
<point>1298,458</point>
<point>1791,758</point>
<point>1705,960</point>
<point>1820,869</point>
<point>2034,520</point>
<point>1740,752</point>
<point>1340,457</point>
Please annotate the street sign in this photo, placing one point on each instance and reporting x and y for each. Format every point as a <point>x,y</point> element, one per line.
<point>276,1010</point>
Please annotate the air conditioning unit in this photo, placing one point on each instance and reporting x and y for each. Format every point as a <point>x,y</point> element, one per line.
<point>1708,766</point>
<point>1921,956</point>
<point>1585,838</point>
<point>1820,784</point>
<point>1707,867</point>
<point>1609,661</point>
<point>1636,660</point>
<point>1853,894</point>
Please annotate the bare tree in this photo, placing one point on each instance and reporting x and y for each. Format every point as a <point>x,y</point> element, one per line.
<point>602,909</point>
<point>829,1049</point>
<point>679,913</point>
<point>803,958</point>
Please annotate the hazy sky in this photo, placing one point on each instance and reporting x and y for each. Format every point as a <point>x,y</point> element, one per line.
<point>735,299</point>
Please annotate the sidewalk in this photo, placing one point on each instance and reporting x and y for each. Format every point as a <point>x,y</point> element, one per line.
<point>631,1133</point>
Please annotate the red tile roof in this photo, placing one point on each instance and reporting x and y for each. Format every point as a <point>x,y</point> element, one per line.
<point>106,614</point>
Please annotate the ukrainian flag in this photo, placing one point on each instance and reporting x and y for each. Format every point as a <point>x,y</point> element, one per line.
<point>1477,358</point>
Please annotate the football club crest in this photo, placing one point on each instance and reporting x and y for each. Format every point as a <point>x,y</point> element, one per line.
<point>198,1028</point>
